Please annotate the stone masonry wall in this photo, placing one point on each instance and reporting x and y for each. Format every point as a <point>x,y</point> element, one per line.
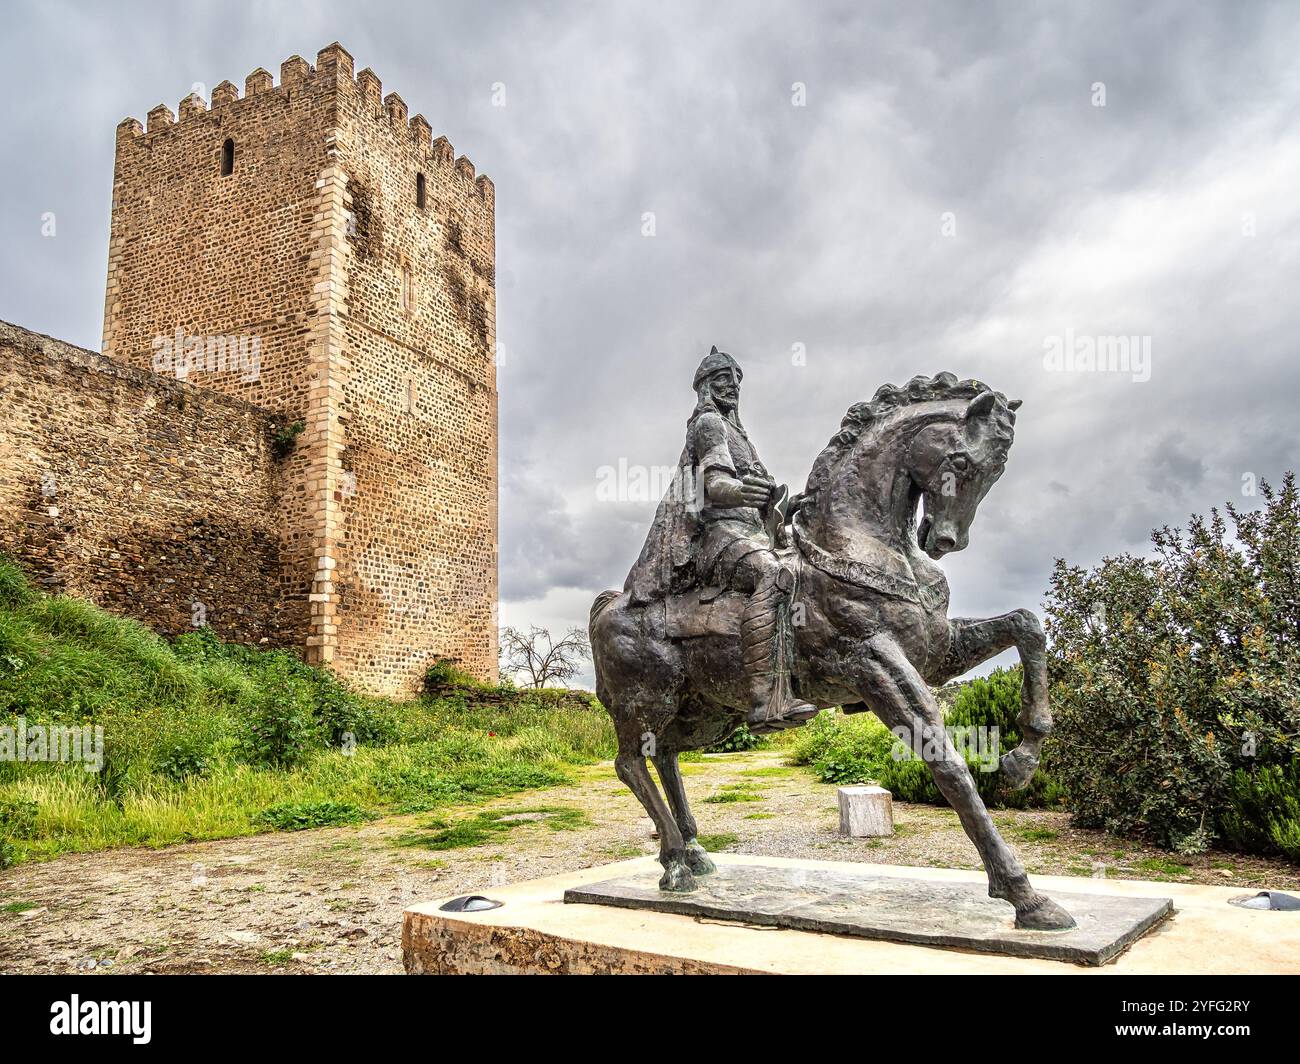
<point>151,497</point>
<point>418,563</point>
<point>231,256</point>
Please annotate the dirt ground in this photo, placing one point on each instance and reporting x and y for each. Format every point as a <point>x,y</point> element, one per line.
<point>331,900</point>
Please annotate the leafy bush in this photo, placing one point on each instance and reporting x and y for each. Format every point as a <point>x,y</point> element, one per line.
<point>1263,814</point>
<point>443,676</point>
<point>1177,710</point>
<point>843,749</point>
<point>280,725</point>
<point>298,816</point>
<point>858,748</point>
<point>741,739</point>
<point>18,819</point>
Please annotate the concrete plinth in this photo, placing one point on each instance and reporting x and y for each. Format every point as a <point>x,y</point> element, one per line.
<point>866,812</point>
<point>535,931</point>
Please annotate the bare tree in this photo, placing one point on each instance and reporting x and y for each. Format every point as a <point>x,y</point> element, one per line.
<point>534,654</point>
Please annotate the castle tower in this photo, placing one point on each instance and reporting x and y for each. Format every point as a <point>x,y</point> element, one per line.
<point>310,249</point>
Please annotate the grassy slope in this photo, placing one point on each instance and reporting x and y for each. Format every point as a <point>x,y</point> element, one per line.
<point>202,739</point>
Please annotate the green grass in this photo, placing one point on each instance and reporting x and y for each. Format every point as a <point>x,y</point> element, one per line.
<point>297,816</point>
<point>1037,834</point>
<point>17,907</point>
<point>735,792</point>
<point>277,956</point>
<point>1161,866</point>
<point>714,843</point>
<point>490,826</point>
<point>207,740</point>
<point>760,816</point>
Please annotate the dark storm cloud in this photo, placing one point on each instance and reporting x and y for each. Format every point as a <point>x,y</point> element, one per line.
<point>1167,216</point>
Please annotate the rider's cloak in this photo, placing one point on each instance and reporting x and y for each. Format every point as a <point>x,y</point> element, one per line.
<point>687,535</point>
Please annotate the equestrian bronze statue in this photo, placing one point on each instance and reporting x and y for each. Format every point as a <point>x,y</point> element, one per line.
<point>747,606</point>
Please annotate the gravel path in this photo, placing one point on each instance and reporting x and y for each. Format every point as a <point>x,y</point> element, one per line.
<point>330,901</point>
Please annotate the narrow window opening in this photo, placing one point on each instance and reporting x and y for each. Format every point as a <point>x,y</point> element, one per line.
<point>408,288</point>
<point>228,158</point>
<point>409,400</point>
<point>419,191</point>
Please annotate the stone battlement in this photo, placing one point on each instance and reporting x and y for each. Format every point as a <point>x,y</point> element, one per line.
<point>333,70</point>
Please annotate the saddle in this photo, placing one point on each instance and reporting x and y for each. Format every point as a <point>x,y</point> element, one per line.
<point>712,610</point>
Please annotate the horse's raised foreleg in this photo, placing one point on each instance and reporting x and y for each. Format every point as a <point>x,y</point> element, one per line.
<point>894,689</point>
<point>697,858</point>
<point>633,771</point>
<point>975,640</point>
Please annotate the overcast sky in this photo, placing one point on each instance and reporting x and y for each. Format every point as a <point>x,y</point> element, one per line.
<point>873,191</point>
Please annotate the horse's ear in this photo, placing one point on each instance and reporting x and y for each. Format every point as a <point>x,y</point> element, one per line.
<point>713,350</point>
<point>981,406</point>
<point>1015,404</point>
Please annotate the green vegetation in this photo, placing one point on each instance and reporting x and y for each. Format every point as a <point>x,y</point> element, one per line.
<point>490,826</point>
<point>1174,684</point>
<point>858,748</point>
<point>298,816</point>
<point>208,740</point>
<point>714,843</point>
<point>285,437</point>
<point>277,956</point>
<point>738,741</point>
<point>735,792</point>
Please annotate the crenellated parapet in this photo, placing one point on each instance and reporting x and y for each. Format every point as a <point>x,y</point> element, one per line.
<point>333,70</point>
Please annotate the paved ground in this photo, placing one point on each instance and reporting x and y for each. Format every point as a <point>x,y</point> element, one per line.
<point>330,901</point>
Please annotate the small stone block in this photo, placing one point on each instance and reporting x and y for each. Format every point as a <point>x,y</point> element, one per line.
<point>866,812</point>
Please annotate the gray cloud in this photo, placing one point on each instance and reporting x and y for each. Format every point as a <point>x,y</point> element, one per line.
<point>779,225</point>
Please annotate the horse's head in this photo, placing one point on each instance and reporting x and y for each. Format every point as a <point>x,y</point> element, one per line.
<point>938,443</point>
<point>953,461</point>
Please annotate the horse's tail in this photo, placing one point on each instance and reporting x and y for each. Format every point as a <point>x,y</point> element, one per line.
<point>602,600</point>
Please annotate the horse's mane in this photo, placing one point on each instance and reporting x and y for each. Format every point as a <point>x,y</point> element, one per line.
<point>866,417</point>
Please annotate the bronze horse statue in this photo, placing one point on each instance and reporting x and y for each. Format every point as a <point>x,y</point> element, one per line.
<point>870,627</point>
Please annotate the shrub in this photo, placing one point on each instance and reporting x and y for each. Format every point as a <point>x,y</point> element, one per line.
<point>858,748</point>
<point>1263,814</point>
<point>843,749</point>
<point>280,726</point>
<point>18,819</point>
<point>1173,679</point>
<point>741,739</point>
<point>443,676</point>
<point>298,816</point>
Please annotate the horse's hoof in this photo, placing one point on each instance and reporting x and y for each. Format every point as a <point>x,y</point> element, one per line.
<point>698,859</point>
<point>1019,768</point>
<point>677,878</point>
<point>1044,915</point>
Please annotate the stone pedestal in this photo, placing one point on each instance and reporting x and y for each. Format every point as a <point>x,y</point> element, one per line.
<point>866,812</point>
<point>534,931</point>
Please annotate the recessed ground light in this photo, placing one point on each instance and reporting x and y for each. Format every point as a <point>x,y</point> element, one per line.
<point>1268,899</point>
<point>469,903</point>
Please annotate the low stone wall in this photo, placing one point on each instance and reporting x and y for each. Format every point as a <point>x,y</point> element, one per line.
<point>151,497</point>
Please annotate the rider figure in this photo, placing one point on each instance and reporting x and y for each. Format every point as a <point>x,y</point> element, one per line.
<point>718,530</point>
